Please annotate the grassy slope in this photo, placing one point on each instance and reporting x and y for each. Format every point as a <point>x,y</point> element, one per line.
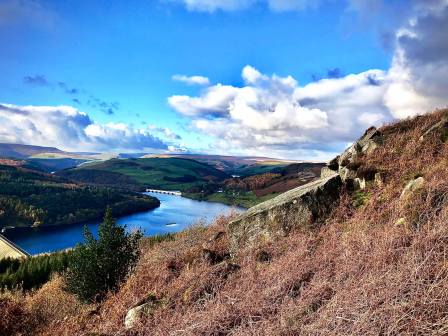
<point>259,168</point>
<point>271,184</point>
<point>233,164</point>
<point>377,268</point>
<point>245,199</point>
<point>19,151</point>
<point>52,165</point>
<point>160,173</point>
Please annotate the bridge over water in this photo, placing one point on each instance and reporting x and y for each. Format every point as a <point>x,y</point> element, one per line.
<point>167,192</point>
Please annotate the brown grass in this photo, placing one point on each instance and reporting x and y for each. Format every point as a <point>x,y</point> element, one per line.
<point>377,269</point>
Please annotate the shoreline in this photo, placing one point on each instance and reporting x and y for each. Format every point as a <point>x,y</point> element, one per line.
<point>17,229</point>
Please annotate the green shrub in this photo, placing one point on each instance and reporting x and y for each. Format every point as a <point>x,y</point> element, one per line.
<point>100,265</point>
<point>360,198</point>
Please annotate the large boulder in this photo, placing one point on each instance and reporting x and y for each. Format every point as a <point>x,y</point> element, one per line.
<point>300,207</point>
<point>145,307</point>
<point>326,172</point>
<point>345,164</point>
<point>412,187</point>
<point>441,125</point>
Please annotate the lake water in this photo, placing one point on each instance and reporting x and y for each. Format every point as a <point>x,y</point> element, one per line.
<point>174,214</point>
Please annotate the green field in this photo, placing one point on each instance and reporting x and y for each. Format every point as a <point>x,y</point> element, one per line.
<point>261,168</point>
<point>242,199</point>
<point>159,173</point>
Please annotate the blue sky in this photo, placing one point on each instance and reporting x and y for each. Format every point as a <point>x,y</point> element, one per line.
<point>115,62</point>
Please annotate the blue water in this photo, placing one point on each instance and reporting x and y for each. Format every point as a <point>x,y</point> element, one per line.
<point>174,214</point>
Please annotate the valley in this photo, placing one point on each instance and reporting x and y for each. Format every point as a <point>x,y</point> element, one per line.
<point>30,198</point>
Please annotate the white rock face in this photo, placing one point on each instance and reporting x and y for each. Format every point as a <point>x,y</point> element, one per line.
<point>133,316</point>
<point>412,186</point>
<point>300,207</point>
<point>326,172</point>
<point>359,183</point>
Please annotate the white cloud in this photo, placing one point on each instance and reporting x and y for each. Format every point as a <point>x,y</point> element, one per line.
<point>192,80</point>
<point>214,100</point>
<point>70,129</point>
<point>234,5</point>
<point>274,115</point>
<point>165,132</point>
<point>292,5</point>
<point>419,72</point>
<point>214,5</point>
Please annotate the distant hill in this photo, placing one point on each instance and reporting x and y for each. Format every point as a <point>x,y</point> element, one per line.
<point>19,151</point>
<point>52,159</point>
<point>161,173</point>
<point>46,159</point>
<point>233,165</point>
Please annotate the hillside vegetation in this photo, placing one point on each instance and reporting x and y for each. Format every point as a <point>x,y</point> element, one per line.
<point>19,151</point>
<point>31,198</point>
<point>377,266</point>
<point>232,165</point>
<point>160,173</point>
<point>251,190</point>
<point>199,180</point>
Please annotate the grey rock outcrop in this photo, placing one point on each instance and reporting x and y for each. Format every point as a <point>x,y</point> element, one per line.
<point>344,164</point>
<point>144,307</point>
<point>359,184</point>
<point>300,207</point>
<point>412,187</point>
<point>308,204</point>
<point>326,172</point>
<point>378,179</point>
<point>442,124</point>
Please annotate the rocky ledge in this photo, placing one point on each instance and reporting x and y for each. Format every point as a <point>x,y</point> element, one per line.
<point>306,205</point>
<point>300,207</point>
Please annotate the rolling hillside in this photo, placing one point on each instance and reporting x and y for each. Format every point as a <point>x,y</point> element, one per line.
<point>19,151</point>
<point>233,165</point>
<point>161,173</point>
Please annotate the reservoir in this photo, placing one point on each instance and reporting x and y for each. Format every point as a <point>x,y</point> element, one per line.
<point>174,214</point>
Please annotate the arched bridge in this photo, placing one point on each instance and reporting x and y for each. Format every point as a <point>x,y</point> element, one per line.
<point>167,192</point>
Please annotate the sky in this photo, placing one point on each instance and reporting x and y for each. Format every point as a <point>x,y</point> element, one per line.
<point>292,79</point>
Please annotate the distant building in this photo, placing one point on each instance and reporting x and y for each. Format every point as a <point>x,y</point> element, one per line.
<point>10,250</point>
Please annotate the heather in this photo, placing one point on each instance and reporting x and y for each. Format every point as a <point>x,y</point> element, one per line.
<point>377,266</point>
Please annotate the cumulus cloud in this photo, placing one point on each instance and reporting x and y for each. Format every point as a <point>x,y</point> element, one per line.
<point>214,101</point>
<point>419,71</point>
<point>166,132</point>
<point>275,115</point>
<point>234,5</point>
<point>192,80</point>
<point>71,129</point>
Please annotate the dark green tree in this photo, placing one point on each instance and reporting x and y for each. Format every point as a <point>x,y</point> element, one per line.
<point>100,265</point>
